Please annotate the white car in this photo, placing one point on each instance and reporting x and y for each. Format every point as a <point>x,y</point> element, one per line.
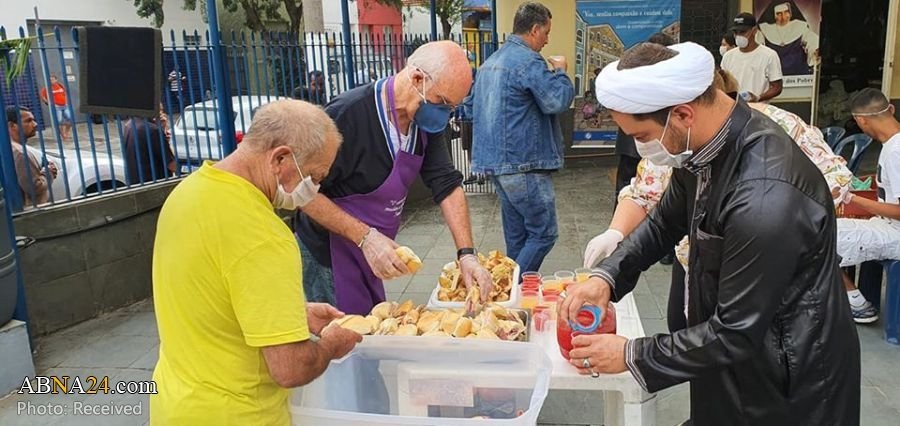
<point>196,136</point>
<point>85,177</point>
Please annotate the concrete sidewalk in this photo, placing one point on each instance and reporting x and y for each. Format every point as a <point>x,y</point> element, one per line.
<point>124,345</point>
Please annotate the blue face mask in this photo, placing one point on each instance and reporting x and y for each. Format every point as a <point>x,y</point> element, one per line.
<point>431,118</point>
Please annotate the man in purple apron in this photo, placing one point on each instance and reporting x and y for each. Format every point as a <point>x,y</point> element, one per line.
<point>392,133</point>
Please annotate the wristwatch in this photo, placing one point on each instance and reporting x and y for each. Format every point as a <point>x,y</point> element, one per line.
<point>465,251</point>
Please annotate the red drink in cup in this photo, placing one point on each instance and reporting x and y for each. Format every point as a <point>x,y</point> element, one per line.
<point>587,323</point>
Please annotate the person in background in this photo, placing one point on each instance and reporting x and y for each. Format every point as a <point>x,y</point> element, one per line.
<point>34,177</point>
<point>518,138</point>
<point>315,93</point>
<point>877,238</point>
<point>757,68</point>
<point>148,155</point>
<point>770,338</point>
<point>235,330</point>
<point>727,44</point>
<point>393,133</point>
<point>176,88</point>
<point>59,107</point>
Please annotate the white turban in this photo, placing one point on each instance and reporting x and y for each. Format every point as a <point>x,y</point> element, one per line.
<point>650,88</point>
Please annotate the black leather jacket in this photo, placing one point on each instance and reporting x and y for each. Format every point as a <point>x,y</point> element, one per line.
<point>770,337</point>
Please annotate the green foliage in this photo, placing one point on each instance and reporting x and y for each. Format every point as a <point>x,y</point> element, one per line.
<point>21,47</point>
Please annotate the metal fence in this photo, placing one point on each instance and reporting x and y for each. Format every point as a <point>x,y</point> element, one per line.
<point>104,154</point>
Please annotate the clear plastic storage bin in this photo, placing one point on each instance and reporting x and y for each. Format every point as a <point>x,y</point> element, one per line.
<point>391,380</point>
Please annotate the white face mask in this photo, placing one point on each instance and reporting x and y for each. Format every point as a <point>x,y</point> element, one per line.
<point>657,153</point>
<point>723,50</point>
<point>305,191</point>
<point>742,41</point>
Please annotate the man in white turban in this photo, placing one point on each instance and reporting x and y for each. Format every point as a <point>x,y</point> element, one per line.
<point>770,339</point>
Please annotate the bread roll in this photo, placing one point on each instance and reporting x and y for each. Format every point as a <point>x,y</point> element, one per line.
<point>413,263</point>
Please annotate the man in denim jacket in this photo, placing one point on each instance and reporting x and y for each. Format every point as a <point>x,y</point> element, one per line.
<point>518,139</point>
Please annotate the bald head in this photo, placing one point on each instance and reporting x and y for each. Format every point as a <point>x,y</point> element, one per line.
<point>445,62</point>
<point>301,126</point>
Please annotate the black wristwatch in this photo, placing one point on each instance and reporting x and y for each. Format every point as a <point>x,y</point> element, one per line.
<point>464,251</point>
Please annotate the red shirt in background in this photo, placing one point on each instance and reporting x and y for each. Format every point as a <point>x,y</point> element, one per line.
<point>59,94</point>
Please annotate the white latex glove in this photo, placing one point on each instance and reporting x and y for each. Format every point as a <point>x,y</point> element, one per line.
<point>847,197</point>
<point>601,246</point>
<point>473,273</point>
<point>380,253</point>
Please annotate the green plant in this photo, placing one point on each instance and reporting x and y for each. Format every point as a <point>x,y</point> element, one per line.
<point>21,47</point>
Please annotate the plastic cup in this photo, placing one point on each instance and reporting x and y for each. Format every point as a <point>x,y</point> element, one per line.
<point>531,277</point>
<point>540,315</point>
<point>566,278</point>
<point>551,298</point>
<point>582,274</point>
<point>550,282</point>
<point>529,299</point>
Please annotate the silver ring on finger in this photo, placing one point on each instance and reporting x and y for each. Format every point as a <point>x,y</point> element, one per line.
<point>594,374</point>
<point>586,363</point>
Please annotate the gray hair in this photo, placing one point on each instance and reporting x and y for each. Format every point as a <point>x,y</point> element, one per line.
<point>530,14</point>
<point>301,126</point>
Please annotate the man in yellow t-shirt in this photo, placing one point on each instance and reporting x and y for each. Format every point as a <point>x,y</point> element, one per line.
<point>233,324</point>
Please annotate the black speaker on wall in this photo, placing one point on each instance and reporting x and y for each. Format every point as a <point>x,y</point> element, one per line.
<point>120,70</point>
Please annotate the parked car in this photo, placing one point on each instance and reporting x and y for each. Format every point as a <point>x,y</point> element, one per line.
<point>196,136</point>
<point>104,173</point>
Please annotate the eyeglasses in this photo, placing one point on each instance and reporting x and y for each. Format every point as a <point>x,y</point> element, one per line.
<point>443,99</point>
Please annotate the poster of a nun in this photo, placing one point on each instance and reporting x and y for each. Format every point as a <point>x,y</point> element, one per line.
<point>791,29</point>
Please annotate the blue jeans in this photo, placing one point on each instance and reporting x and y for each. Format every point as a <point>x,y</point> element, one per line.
<point>318,281</point>
<point>528,208</point>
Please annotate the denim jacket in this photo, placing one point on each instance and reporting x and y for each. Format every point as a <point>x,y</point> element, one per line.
<point>515,103</point>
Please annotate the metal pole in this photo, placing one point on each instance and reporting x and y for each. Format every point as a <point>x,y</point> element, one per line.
<point>348,44</point>
<point>495,40</point>
<point>433,20</point>
<point>220,79</point>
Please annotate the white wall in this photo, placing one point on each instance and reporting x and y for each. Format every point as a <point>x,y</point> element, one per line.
<point>111,12</point>
<point>331,13</point>
<point>418,21</point>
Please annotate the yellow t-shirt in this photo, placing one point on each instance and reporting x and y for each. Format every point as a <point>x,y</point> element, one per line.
<point>226,282</point>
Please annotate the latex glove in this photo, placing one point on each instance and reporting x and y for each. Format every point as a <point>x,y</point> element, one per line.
<point>840,194</point>
<point>601,246</point>
<point>472,272</point>
<point>847,198</point>
<point>380,254</point>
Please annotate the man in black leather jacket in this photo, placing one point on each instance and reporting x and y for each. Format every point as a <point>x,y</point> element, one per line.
<point>770,339</point>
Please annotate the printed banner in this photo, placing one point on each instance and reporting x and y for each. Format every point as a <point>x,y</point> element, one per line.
<point>604,30</point>
<point>791,28</point>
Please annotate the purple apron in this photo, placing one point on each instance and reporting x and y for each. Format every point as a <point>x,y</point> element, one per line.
<point>793,57</point>
<point>356,288</point>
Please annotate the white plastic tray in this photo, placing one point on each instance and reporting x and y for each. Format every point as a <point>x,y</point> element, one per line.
<point>513,301</point>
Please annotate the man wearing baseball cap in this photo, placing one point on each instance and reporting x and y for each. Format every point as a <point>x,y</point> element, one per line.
<point>756,67</point>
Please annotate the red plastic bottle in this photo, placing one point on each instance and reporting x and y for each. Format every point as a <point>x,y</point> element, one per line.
<point>564,333</point>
